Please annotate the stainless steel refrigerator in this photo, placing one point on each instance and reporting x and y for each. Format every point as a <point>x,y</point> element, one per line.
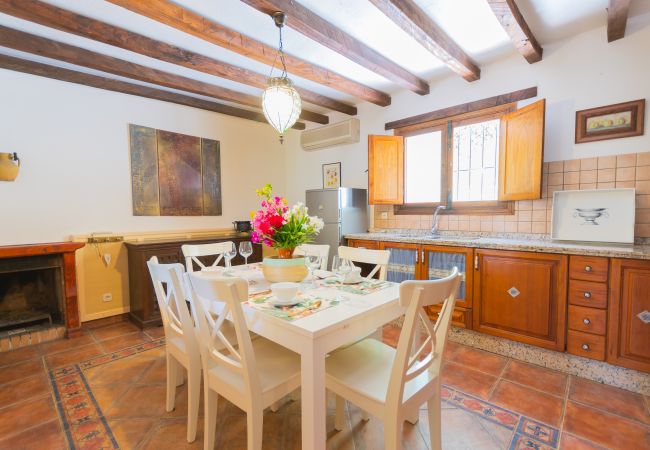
<point>344,211</point>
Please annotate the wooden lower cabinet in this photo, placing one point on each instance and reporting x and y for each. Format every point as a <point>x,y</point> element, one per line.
<point>628,335</point>
<point>521,296</point>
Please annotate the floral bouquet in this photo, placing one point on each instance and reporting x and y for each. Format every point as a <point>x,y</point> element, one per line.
<point>283,228</point>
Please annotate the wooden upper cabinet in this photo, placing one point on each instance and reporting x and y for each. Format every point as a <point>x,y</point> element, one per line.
<point>522,153</point>
<point>385,170</point>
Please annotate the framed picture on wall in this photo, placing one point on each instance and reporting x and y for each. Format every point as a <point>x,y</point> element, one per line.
<point>332,175</point>
<point>610,122</point>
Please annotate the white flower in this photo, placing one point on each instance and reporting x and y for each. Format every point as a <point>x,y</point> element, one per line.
<point>316,223</point>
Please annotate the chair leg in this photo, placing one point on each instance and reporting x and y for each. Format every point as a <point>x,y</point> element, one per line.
<point>435,421</point>
<point>254,424</point>
<point>392,436</point>
<point>172,375</point>
<point>413,418</point>
<point>210,418</point>
<point>339,419</point>
<point>180,375</point>
<point>193,401</point>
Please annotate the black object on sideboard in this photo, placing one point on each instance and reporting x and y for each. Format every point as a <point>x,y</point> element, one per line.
<point>144,310</point>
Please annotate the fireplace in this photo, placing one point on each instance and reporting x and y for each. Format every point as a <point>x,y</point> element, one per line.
<point>38,293</point>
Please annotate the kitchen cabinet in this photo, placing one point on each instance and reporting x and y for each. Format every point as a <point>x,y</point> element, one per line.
<point>628,333</point>
<point>385,170</point>
<point>404,263</point>
<point>521,296</point>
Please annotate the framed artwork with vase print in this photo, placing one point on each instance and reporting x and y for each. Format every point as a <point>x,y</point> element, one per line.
<point>610,122</point>
<point>332,175</point>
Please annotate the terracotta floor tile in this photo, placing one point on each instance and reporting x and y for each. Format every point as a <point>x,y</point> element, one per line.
<point>536,377</point>
<point>462,430</point>
<point>60,345</point>
<point>468,380</point>
<point>124,341</point>
<point>139,401</point>
<point>451,348</point>
<point>73,356</point>
<point>390,335</point>
<point>107,395</point>
<point>570,442</point>
<point>46,436</point>
<point>127,370</point>
<point>156,374</point>
<point>24,389</point>
<point>19,355</point>
<point>130,432</point>
<point>480,360</point>
<point>172,435</point>
<point>605,429</point>
<point>155,332</point>
<point>534,404</point>
<point>115,330</point>
<point>609,399</point>
<point>21,371</point>
<point>21,416</point>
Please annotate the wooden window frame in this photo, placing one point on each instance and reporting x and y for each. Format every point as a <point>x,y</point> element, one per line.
<point>476,208</point>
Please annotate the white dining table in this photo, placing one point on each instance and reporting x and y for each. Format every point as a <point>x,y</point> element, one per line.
<point>314,336</point>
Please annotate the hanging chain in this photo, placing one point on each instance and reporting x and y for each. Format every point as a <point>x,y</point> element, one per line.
<point>281,52</point>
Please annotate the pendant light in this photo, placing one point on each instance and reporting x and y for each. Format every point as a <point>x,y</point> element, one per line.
<point>280,101</point>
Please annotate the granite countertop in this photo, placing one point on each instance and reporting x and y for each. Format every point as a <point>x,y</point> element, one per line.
<point>530,243</point>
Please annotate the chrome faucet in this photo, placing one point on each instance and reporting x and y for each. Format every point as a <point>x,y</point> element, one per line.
<point>434,227</point>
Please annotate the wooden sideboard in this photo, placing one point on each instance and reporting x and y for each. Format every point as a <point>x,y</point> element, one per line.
<point>144,310</point>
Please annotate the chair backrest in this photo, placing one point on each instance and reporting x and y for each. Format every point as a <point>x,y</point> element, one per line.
<point>171,298</point>
<point>192,253</point>
<point>413,358</point>
<point>364,255</point>
<point>237,356</point>
<point>314,249</point>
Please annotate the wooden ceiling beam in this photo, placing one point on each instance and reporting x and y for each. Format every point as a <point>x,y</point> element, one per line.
<point>513,22</point>
<point>323,32</point>
<point>109,84</point>
<point>182,19</point>
<point>416,23</point>
<point>25,42</point>
<point>617,13</point>
<point>61,19</point>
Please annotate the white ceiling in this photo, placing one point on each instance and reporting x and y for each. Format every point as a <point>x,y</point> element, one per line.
<point>470,23</point>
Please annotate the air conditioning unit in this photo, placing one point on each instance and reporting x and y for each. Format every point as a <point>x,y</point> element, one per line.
<point>346,132</point>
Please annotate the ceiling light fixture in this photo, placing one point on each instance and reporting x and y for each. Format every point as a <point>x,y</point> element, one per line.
<point>280,100</point>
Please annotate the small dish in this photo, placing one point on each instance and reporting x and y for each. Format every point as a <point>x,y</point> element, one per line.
<point>285,292</point>
<point>353,281</point>
<point>275,301</point>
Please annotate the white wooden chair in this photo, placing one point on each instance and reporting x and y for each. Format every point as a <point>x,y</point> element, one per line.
<point>181,346</point>
<point>391,383</point>
<point>364,255</point>
<point>251,374</point>
<point>313,249</point>
<point>192,253</point>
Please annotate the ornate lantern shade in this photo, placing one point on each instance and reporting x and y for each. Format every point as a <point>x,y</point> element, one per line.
<point>281,104</point>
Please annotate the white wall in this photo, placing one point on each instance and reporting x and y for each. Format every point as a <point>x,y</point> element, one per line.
<point>582,72</point>
<point>75,175</point>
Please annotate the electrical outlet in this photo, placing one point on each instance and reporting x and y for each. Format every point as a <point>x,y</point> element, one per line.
<point>108,297</point>
<point>384,215</point>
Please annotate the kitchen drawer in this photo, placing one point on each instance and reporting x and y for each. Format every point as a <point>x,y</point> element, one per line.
<point>588,293</point>
<point>589,320</point>
<point>588,268</point>
<point>374,245</point>
<point>586,345</point>
<point>461,317</point>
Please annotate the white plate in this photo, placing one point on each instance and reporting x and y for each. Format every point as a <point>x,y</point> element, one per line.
<point>357,281</point>
<point>323,274</point>
<point>277,302</point>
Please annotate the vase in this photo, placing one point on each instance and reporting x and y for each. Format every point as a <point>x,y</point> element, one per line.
<point>276,269</point>
<point>285,253</point>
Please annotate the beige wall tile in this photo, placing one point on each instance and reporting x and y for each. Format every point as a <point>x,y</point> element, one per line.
<point>552,189</point>
<point>556,179</point>
<point>589,164</point>
<point>524,216</point>
<point>510,218</point>
<point>540,204</point>
<point>545,168</point>
<point>463,225</point>
<point>539,215</point>
<point>607,162</point>
<point>625,184</point>
<point>625,173</point>
<point>475,224</point>
<point>572,187</point>
<point>524,205</point>
<point>642,230</point>
<point>486,225</point>
<point>642,215</point>
<point>538,227</point>
<point>498,218</point>
<point>524,227</point>
<point>606,175</point>
<point>571,178</point>
<point>549,214</point>
<point>588,176</point>
<point>556,167</point>
<point>643,159</point>
<point>498,227</point>
<point>643,187</point>
<point>628,160</point>
<point>584,186</point>
<point>609,185</point>
<point>572,165</point>
<point>510,227</point>
<point>643,201</point>
<point>643,173</point>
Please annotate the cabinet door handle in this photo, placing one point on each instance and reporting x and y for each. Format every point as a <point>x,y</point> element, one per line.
<point>587,294</point>
<point>585,346</point>
<point>417,254</point>
<point>476,262</point>
<point>586,321</point>
<point>588,268</point>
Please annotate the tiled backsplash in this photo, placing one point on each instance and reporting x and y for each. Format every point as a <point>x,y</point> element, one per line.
<point>534,216</point>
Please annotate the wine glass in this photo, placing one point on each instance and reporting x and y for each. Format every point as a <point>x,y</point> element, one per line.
<point>313,262</point>
<point>341,267</point>
<point>245,249</point>
<point>230,254</point>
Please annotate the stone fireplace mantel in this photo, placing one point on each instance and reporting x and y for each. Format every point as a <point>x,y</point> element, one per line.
<point>66,250</point>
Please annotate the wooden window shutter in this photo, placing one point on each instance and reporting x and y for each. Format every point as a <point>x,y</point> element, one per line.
<point>522,153</point>
<point>385,170</point>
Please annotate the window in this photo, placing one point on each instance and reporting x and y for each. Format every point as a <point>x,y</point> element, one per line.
<point>469,183</point>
